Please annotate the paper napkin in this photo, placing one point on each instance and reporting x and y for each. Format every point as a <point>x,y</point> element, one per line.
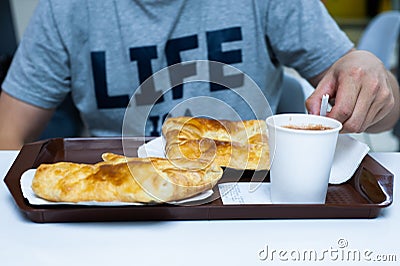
<point>348,155</point>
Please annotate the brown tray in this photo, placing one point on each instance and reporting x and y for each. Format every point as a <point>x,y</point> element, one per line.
<point>363,196</point>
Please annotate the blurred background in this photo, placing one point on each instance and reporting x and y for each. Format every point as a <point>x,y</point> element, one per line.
<point>354,17</point>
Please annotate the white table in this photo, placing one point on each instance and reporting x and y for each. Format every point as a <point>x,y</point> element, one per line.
<point>23,242</point>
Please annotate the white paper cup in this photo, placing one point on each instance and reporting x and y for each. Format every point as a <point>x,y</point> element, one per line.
<point>301,160</point>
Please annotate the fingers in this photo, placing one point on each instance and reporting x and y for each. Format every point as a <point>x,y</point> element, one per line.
<point>362,95</point>
<point>347,93</point>
<point>381,105</point>
<point>347,102</point>
<point>361,101</point>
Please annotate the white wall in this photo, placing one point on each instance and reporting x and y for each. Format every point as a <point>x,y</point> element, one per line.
<point>22,11</point>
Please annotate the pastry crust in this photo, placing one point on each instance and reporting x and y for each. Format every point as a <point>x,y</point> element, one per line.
<point>233,144</point>
<point>118,178</point>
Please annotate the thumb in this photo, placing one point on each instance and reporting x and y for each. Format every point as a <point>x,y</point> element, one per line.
<point>313,102</point>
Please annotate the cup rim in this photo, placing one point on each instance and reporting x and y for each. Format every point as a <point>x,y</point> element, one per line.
<point>271,118</point>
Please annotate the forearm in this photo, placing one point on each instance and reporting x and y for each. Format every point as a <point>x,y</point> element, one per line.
<point>9,141</point>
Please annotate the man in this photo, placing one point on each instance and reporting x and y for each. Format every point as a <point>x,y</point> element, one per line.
<point>101,51</point>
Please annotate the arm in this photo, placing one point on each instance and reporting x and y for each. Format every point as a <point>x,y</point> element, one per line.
<point>366,95</point>
<point>20,122</point>
<point>39,75</point>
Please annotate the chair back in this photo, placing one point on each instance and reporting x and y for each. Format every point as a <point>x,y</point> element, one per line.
<point>381,35</point>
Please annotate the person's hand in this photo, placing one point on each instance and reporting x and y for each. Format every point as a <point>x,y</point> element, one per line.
<point>361,92</point>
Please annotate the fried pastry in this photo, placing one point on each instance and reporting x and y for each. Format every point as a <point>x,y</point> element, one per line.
<point>118,178</point>
<point>233,144</point>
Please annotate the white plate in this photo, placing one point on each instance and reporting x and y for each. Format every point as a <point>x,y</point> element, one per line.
<point>26,183</point>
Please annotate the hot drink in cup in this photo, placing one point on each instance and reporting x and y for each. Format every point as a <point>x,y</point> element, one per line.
<point>302,149</point>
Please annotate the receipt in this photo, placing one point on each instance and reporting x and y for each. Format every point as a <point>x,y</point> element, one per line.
<point>244,193</point>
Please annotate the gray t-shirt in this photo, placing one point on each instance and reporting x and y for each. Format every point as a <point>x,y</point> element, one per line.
<point>102,50</point>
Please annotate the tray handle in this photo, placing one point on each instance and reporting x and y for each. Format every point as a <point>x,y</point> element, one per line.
<point>376,189</point>
<point>26,159</point>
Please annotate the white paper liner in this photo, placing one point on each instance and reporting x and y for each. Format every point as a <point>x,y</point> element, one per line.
<point>27,192</point>
<point>153,148</point>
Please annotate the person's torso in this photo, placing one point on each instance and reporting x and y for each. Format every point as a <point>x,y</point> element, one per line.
<point>119,44</point>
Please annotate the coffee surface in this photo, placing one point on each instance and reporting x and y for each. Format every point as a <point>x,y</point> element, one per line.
<point>308,127</point>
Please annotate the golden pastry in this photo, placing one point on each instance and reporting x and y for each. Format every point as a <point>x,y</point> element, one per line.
<point>124,179</point>
<point>233,144</point>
